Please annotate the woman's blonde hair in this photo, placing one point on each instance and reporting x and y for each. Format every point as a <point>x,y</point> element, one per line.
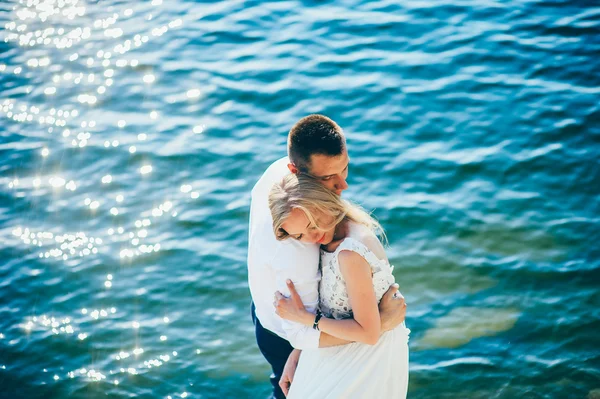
<point>305,193</point>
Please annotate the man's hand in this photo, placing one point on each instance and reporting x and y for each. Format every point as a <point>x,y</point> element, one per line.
<point>392,309</point>
<point>288,371</point>
<point>292,308</point>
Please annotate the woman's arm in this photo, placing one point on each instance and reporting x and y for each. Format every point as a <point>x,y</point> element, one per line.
<point>392,311</point>
<point>366,325</point>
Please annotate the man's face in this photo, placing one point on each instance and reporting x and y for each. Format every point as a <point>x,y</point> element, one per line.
<point>331,172</point>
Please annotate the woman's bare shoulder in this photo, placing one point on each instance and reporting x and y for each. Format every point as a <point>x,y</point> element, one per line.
<point>368,238</point>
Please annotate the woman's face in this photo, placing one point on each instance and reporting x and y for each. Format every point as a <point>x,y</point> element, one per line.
<point>298,226</point>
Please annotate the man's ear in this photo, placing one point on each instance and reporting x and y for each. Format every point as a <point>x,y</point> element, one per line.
<point>292,168</point>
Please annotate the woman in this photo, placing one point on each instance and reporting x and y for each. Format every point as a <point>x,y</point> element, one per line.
<point>355,275</point>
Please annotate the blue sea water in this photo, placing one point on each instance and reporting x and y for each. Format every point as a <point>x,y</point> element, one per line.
<point>131,134</point>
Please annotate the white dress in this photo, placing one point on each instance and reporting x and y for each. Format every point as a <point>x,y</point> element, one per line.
<point>355,370</point>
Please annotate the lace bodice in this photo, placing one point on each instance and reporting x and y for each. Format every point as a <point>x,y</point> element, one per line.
<point>333,295</point>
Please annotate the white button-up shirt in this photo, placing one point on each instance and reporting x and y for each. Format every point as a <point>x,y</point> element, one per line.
<point>272,262</point>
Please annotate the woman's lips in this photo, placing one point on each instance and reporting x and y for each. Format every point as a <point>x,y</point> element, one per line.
<point>320,241</point>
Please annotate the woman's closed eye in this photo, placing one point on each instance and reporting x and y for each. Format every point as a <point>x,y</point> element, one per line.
<point>299,236</point>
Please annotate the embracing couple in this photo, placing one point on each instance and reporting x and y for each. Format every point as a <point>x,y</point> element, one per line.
<point>327,314</point>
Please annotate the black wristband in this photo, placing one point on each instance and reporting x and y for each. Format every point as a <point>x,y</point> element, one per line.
<point>317,318</point>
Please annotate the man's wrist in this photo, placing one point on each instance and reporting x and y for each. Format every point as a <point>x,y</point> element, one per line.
<point>385,323</point>
<point>308,318</point>
<point>295,355</point>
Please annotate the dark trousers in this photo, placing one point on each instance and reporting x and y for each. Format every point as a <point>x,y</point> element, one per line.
<point>275,349</point>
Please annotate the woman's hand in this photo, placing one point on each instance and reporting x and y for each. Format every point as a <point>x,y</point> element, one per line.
<point>292,308</point>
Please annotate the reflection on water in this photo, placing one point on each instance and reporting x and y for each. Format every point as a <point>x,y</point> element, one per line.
<point>525,243</point>
<point>464,324</point>
<point>451,278</point>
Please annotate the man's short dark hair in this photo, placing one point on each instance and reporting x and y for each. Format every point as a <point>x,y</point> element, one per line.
<point>312,135</point>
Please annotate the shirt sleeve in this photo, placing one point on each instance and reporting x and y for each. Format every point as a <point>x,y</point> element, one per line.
<point>299,262</point>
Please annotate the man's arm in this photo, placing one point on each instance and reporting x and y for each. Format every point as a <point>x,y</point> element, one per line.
<point>287,377</point>
<point>299,262</point>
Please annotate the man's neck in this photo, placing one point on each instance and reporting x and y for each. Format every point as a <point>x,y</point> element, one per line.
<point>341,232</point>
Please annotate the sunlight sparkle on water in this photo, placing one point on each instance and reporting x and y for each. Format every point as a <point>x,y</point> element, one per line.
<point>71,185</point>
<point>56,181</point>
<point>193,93</point>
<point>70,244</point>
<point>80,76</point>
<point>45,323</point>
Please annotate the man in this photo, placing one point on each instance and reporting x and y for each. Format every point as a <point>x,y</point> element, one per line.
<point>316,147</point>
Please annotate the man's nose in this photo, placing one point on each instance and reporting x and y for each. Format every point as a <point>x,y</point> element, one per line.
<point>341,184</point>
